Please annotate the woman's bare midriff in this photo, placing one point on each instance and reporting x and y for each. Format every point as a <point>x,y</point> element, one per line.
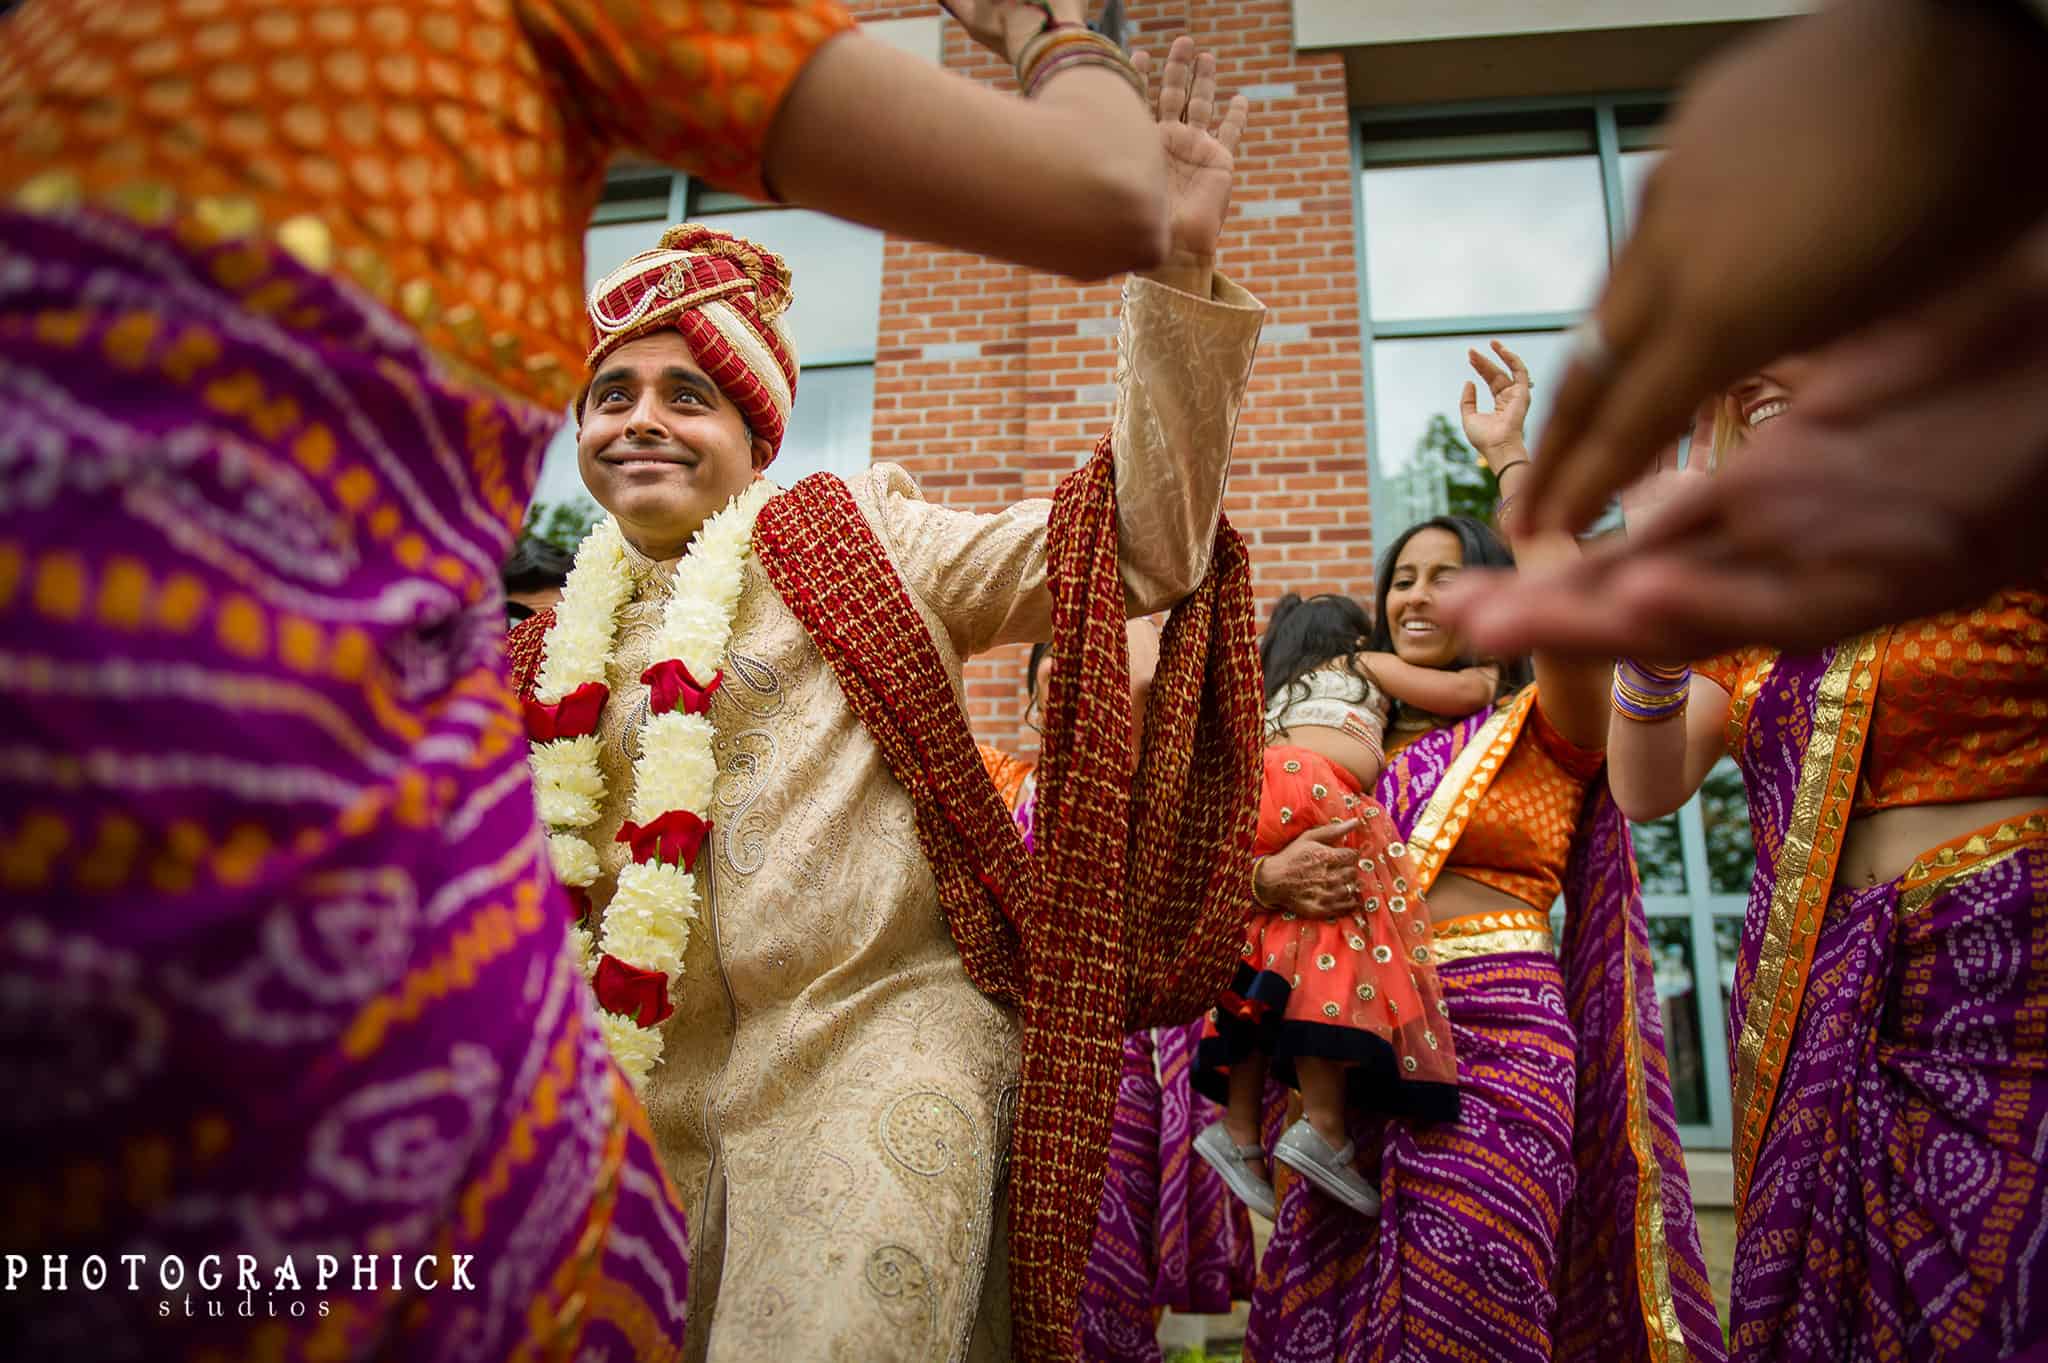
<point>1454,896</point>
<point>1882,846</point>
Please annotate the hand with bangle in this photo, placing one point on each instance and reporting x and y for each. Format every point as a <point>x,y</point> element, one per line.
<point>1314,876</point>
<point>1650,693</point>
<point>1497,435</point>
<point>1041,38</point>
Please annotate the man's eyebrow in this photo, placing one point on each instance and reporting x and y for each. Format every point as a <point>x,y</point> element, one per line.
<point>692,378</point>
<point>695,380</point>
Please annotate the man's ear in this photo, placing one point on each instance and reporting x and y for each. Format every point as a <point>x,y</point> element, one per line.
<point>763,452</point>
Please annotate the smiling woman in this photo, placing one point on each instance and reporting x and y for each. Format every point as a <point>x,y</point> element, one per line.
<point>1555,1208</point>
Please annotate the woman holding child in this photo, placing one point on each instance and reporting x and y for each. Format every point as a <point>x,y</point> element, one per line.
<point>1551,1218</point>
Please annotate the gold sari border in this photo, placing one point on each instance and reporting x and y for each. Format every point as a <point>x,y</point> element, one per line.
<point>1971,851</point>
<point>1805,873</point>
<point>1491,934</point>
<point>1470,776</point>
<point>1665,1335</point>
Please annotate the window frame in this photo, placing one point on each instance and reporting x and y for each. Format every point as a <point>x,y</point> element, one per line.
<point>1699,905</point>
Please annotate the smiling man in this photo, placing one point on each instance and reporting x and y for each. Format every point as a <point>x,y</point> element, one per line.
<point>850,1002</point>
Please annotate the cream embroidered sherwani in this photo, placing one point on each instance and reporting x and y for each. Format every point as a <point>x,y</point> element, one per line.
<point>834,1101</point>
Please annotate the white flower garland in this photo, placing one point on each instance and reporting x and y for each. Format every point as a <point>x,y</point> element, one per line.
<point>647,924</point>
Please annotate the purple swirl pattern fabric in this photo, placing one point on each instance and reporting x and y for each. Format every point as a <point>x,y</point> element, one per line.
<point>283,971</point>
<point>1898,1208</point>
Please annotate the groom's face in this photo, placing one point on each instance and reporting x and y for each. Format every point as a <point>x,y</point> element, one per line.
<point>660,447</point>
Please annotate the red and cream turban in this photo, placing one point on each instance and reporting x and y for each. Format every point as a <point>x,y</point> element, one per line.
<point>727,297</point>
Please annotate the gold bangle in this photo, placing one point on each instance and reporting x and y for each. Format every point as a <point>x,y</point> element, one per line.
<point>1258,898</point>
<point>1659,671</point>
<point>1658,718</point>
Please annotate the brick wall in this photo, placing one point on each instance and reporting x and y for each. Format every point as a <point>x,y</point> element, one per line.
<point>992,381</point>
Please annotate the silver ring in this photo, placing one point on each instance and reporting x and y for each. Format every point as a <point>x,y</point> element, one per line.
<point>1589,349</point>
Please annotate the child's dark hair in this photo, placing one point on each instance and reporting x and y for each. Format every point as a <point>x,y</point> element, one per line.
<point>1304,635</point>
<point>1481,547</point>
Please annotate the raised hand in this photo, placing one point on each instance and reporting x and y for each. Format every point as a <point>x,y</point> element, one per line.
<point>1497,435</point>
<point>1906,479</point>
<point>1200,153</point>
<point>1004,26</point>
<point>1815,179</point>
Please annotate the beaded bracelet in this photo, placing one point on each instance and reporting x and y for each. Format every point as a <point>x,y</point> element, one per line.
<point>1648,693</point>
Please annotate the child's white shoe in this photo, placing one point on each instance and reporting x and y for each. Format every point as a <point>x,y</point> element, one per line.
<point>1303,1150</point>
<point>1234,1163</point>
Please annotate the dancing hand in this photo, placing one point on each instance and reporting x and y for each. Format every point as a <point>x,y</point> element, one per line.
<point>1004,26</point>
<point>1845,163</point>
<point>1200,156</point>
<point>1906,479</point>
<point>1497,435</point>
<point>1313,876</point>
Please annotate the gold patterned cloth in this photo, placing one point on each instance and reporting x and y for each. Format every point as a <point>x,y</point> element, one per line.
<point>836,1093</point>
<point>443,158</point>
<point>1489,934</point>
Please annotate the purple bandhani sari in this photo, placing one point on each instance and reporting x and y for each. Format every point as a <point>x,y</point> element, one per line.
<point>1891,1055</point>
<point>282,972</point>
<point>1553,1219</point>
<point>1170,1236</point>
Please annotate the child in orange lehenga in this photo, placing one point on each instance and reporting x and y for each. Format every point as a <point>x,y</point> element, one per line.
<point>1346,1008</point>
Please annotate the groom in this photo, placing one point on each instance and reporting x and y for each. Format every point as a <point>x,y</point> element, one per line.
<point>816,942</point>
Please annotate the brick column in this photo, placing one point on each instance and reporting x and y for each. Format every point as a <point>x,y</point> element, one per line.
<point>991,381</point>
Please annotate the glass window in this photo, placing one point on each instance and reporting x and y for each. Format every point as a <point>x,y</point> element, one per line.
<point>1419,454</point>
<point>1484,237</point>
<point>1482,220</point>
<point>1671,954</point>
<point>560,485</point>
<point>1660,857</point>
<point>836,277</point>
<point>1635,172</point>
<point>1727,944</point>
<point>612,244</point>
<point>829,426</point>
<point>1724,811</point>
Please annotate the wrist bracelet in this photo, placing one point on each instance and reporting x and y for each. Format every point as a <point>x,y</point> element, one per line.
<point>1664,672</point>
<point>1502,472</point>
<point>1257,898</point>
<point>1649,694</point>
<point>1068,47</point>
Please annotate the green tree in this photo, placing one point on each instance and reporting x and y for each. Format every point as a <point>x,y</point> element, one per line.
<point>1469,483</point>
<point>563,524</point>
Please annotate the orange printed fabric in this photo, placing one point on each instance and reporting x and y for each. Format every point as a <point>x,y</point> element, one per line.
<point>1961,711</point>
<point>1520,837</point>
<point>1361,988</point>
<point>1008,773</point>
<point>445,157</point>
<point>1740,673</point>
<point>1962,707</point>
